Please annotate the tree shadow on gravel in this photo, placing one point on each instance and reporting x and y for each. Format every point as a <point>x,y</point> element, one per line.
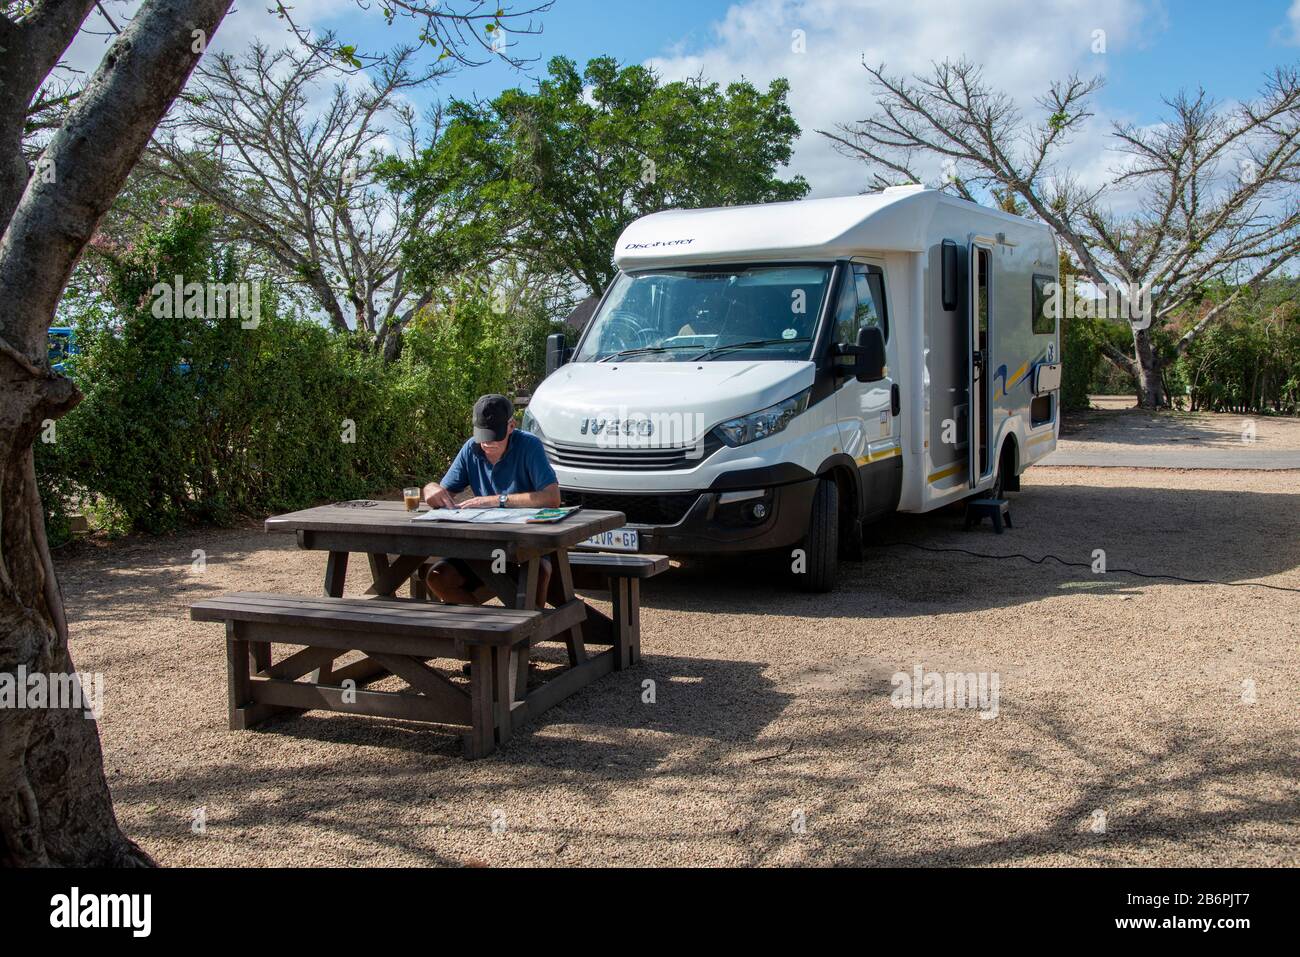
<point>887,788</point>
<point>600,741</point>
<point>1179,785</point>
<point>1227,536</point>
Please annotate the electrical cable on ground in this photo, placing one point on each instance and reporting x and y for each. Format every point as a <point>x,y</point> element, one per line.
<point>1070,564</point>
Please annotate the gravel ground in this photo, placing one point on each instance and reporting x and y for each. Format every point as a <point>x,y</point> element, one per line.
<point>1111,430</point>
<point>1165,710</point>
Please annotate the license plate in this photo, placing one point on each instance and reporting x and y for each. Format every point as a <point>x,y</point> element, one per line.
<point>619,540</point>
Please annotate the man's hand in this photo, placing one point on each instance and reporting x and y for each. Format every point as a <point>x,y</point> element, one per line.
<point>482,501</point>
<point>435,496</point>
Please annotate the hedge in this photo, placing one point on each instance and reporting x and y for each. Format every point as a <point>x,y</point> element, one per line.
<point>194,419</point>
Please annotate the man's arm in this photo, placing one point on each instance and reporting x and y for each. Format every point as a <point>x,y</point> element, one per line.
<point>435,496</point>
<point>439,494</point>
<point>548,497</point>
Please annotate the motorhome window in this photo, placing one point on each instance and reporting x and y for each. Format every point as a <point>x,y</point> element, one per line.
<point>861,305</point>
<point>982,291</point>
<point>846,314</point>
<point>1044,322</point>
<point>708,314</point>
<point>871,298</point>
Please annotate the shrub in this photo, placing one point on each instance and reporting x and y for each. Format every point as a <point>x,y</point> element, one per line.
<point>1080,356</point>
<point>192,419</point>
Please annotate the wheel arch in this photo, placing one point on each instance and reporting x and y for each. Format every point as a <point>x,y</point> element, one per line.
<point>844,471</point>
<point>1010,447</point>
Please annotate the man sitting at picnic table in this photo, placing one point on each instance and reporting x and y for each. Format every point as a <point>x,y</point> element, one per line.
<point>505,467</point>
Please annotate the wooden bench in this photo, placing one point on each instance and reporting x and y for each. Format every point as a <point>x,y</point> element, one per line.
<point>618,573</point>
<point>397,636</point>
<point>621,573</point>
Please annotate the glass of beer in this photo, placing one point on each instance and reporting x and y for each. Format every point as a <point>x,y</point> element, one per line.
<point>411,496</point>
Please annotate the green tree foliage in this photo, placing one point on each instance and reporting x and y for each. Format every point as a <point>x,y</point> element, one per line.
<point>1080,357</point>
<point>196,419</point>
<point>553,176</point>
<point>1250,360</point>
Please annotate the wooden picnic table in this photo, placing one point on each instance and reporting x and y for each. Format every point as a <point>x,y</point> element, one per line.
<point>506,557</point>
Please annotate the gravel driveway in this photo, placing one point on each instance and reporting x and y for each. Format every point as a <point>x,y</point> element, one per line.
<point>1131,438</point>
<point>1139,721</point>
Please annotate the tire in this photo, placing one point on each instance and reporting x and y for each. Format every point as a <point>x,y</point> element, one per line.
<point>1006,463</point>
<point>821,545</point>
<point>853,547</point>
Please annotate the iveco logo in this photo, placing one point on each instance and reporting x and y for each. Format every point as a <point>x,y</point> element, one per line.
<point>642,427</point>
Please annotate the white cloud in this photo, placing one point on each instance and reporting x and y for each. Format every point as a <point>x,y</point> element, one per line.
<point>1290,32</point>
<point>1022,49</point>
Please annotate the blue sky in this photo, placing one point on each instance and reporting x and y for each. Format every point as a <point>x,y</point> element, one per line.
<point>1196,45</point>
<point>1152,48</point>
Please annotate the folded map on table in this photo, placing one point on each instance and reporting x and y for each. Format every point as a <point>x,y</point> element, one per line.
<point>496,516</point>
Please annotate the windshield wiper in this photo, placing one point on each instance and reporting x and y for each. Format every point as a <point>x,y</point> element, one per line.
<point>752,344</point>
<point>643,351</point>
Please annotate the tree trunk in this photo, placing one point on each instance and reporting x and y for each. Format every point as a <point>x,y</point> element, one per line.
<point>54,802</point>
<point>1151,390</point>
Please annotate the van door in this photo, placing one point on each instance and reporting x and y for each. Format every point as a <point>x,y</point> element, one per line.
<point>868,412</point>
<point>980,315</point>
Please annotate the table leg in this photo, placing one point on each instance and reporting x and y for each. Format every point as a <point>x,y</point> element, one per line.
<point>481,738</point>
<point>503,682</point>
<point>390,576</point>
<point>336,573</point>
<point>525,597</point>
<point>419,585</point>
<point>521,592</point>
<point>626,618</point>
<point>238,692</point>
<point>573,638</point>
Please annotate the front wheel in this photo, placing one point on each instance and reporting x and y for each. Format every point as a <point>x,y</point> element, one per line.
<point>818,567</point>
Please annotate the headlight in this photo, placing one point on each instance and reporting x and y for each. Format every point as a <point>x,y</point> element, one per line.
<point>529,424</point>
<point>761,424</point>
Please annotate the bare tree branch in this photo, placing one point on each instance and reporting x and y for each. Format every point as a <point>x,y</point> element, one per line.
<point>304,182</point>
<point>1196,222</point>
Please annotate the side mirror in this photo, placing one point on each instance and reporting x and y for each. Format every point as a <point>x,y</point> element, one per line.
<point>869,356</point>
<point>556,353</point>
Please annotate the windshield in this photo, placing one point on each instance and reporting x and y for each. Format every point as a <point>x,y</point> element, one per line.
<point>716,313</point>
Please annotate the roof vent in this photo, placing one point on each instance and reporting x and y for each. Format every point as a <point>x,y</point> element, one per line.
<point>904,190</point>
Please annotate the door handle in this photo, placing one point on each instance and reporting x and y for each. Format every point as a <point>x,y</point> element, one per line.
<point>895,399</point>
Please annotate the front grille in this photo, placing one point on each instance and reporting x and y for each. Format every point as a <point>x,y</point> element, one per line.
<point>640,509</point>
<point>629,459</point>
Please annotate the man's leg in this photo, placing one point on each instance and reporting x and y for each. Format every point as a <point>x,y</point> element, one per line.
<point>451,585</point>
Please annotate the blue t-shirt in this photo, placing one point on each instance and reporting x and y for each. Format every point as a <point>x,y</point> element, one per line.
<point>523,468</point>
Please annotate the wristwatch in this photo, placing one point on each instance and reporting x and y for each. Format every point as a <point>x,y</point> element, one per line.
<point>501,499</point>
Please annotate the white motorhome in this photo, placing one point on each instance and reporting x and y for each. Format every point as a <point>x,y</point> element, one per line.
<point>776,376</point>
